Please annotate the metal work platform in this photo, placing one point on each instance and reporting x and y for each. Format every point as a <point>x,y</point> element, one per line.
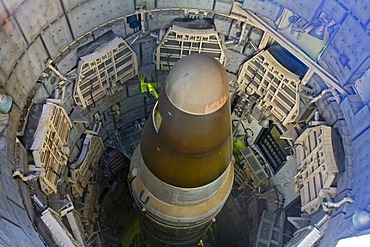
<point>317,167</point>
<point>49,148</point>
<point>179,42</point>
<point>276,86</point>
<point>104,71</point>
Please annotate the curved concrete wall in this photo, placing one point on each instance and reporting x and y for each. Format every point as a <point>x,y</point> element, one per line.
<point>35,30</point>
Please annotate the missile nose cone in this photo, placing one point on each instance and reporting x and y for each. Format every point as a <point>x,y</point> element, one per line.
<point>187,141</point>
<point>197,84</point>
<point>182,172</point>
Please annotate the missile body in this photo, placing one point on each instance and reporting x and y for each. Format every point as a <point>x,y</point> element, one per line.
<point>182,172</point>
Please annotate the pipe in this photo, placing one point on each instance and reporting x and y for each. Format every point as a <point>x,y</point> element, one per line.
<point>323,92</point>
<point>330,204</point>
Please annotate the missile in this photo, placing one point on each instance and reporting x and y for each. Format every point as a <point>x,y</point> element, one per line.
<point>182,171</point>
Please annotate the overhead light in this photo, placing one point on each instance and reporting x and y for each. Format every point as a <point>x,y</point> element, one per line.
<point>318,31</point>
<point>361,219</point>
<point>5,103</point>
<point>264,122</point>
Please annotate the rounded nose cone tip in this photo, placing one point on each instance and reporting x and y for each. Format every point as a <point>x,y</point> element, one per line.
<point>197,84</point>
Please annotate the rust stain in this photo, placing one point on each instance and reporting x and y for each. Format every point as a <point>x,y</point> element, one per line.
<point>216,105</point>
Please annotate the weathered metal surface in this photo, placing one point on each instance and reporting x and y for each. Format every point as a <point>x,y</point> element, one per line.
<point>193,144</point>
<point>57,36</point>
<point>179,42</point>
<point>183,172</point>
<point>34,16</point>
<point>197,85</point>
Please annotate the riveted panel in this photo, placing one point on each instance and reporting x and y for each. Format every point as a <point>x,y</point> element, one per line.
<point>26,73</point>
<point>93,13</point>
<point>12,46</point>
<point>118,28</point>
<point>334,10</point>
<point>222,25</point>
<point>147,4</point>
<point>179,42</point>
<point>11,6</point>
<point>57,36</point>
<point>360,9</point>
<point>8,233</point>
<point>224,6</point>
<point>348,50</point>
<point>34,16</point>
<point>353,41</point>
<point>12,132</point>
<point>361,158</point>
<point>11,187</point>
<point>331,57</point>
<point>363,87</point>
<point>69,4</point>
<point>28,229</point>
<point>5,210</point>
<point>196,4</point>
<point>68,62</point>
<point>303,8</point>
<point>265,8</point>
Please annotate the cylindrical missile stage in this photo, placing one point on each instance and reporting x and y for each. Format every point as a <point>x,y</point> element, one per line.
<point>182,172</point>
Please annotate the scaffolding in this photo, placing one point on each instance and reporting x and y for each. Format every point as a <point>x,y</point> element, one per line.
<point>104,72</point>
<point>276,86</point>
<point>317,167</point>
<point>49,148</point>
<point>179,42</point>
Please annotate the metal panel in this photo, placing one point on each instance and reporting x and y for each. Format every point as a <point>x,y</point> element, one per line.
<point>179,42</point>
<point>356,122</point>
<point>348,50</point>
<point>49,145</point>
<point>57,36</point>
<point>363,87</point>
<point>148,4</point>
<point>93,13</point>
<point>361,158</point>
<point>317,166</point>
<point>104,72</point>
<point>34,16</point>
<point>14,233</point>
<point>334,10</point>
<point>12,46</point>
<point>223,6</point>
<point>26,73</point>
<point>118,28</point>
<point>80,177</point>
<point>253,167</point>
<point>222,25</point>
<point>69,4</point>
<point>267,8</point>
<point>360,9</point>
<point>303,8</point>
<point>352,40</point>
<point>277,87</point>
<point>331,58</point>
<point>196,4</point>
<point>12,5</point>
<point>68,62</point>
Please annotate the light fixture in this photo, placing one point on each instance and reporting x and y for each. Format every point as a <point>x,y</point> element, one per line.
<point>361,219</point>
<point>264,122</point>
<point>5,103</point>
<point>318,31</point>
